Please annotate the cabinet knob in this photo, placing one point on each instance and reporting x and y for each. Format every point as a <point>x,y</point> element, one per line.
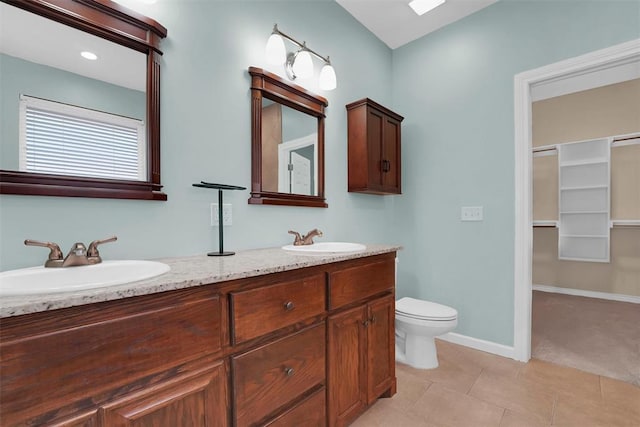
<point>365,323</point>
<point>373,319</point>
<point>289,372</point>
<point>289,305</point>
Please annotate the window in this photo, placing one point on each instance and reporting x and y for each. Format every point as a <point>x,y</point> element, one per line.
<point>63,139</point>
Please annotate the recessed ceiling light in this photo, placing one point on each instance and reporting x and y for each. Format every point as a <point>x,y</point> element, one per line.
<point>89,55</point>
<point>423,6</point>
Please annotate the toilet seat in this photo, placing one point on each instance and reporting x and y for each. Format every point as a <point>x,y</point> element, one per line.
<point>424,310</point>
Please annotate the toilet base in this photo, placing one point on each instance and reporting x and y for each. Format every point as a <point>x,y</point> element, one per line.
<point>417,352</point>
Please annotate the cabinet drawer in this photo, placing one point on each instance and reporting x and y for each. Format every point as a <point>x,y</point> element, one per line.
<point>259,311</point>
<point>311,412</point>
<point>271,376</point>
<point>356,283</point>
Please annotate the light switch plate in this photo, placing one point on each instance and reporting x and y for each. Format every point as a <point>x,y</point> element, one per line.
<point>471,213</point>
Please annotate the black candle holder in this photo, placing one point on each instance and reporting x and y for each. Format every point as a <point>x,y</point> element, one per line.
<point>219,187</point>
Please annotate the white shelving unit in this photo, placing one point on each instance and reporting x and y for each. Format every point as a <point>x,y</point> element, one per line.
<point>584,200</point>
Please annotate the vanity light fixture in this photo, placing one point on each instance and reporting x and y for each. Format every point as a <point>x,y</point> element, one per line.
<point>298,64</point>
<point>423,6</point>
<point>89,55</point>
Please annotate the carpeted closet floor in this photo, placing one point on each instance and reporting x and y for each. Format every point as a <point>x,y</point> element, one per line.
<point>593,335</point>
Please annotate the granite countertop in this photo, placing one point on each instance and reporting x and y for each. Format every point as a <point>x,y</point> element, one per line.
<point>186,272</point>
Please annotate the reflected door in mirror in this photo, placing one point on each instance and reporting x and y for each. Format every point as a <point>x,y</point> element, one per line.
<point>289,150</point>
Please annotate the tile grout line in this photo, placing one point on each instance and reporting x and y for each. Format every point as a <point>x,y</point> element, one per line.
<point>504,412</point>
<point>600,387</point>
<point>474,382</point>
<point>553,408</point>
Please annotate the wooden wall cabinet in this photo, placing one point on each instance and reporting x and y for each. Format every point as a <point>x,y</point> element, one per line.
<point>249,352</point>
<point>374,140</point>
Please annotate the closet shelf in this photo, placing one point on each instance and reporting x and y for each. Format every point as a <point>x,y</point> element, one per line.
<point>622,223</point>
<point>583,187</point>
<point>585,236</point>
<point>582,212</point>
<point>599,160</point>
<point>625,222</point>
<point>617,141</point>
<point>546,223</point>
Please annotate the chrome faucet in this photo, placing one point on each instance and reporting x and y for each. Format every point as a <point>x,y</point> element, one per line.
<point>307,239</point>
<point>78,255</point>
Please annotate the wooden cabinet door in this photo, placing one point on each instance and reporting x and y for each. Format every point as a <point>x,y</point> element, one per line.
<point>391,158</point>
<point>197,399</point>
<point>347,378</point>
<point>375,129</point>
<point>380,347</point>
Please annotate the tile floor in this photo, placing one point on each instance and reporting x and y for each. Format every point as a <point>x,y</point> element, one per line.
<point>471,388</point>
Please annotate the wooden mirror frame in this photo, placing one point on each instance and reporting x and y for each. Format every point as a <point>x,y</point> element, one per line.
<point>268,85</point>
<point>110,21</point>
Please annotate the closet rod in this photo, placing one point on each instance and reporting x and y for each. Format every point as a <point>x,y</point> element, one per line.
<point>618,141</point>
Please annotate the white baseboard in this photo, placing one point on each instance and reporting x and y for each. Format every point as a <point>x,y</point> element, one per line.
<point>478,344</point>
<point>589,294</point>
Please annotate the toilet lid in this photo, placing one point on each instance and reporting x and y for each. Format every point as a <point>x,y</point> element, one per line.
<point>420,309</point>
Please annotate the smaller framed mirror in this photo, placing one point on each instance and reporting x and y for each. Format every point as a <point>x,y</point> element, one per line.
<point>287,143</point>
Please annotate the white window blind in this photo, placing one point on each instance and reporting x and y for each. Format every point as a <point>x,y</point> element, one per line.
<point>63,139</point>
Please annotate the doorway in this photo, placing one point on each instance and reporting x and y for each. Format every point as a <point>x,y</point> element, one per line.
<point>569,76</point>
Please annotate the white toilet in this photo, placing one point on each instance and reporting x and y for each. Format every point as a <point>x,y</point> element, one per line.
<point>418,322</point>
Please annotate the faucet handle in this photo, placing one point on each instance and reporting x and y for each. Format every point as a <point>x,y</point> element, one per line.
<point>93,246</point>
<point>55,253</point>
<point>308,238</point>
<point>298,239</point>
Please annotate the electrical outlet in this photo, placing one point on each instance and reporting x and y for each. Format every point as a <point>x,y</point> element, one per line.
<point>226,214</point>
<point>471,213</point>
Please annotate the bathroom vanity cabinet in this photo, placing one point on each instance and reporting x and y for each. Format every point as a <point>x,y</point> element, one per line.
<point>361,342</point>
<point>374,141</point>
<point>279,349</point>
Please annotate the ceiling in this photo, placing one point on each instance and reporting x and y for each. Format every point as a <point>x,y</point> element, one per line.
<point>396,24</point>
<point>392,21</point>
<point>56,45</point>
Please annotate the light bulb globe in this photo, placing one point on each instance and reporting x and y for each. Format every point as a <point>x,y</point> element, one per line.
<point>327,79</point>
<point>275,51</point>
<point>303,65</point>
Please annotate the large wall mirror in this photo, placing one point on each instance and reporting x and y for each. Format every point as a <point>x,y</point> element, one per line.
<point>287,137</point>
<point>76,126</point>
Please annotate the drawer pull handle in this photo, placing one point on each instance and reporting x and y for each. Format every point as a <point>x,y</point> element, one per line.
<point>288,372</point>
<point>289,305</point>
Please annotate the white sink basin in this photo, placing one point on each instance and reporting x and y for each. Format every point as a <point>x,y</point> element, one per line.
<point>40,280</point>
<point>326,247</point>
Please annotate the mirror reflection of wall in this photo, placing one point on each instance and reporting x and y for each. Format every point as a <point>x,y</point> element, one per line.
<point>289,150</point>
<point>47,65</point>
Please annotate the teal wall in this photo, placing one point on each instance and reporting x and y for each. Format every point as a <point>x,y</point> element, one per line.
<point>206,135</point>
<point>20,77</point>
<point>455,89</point>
